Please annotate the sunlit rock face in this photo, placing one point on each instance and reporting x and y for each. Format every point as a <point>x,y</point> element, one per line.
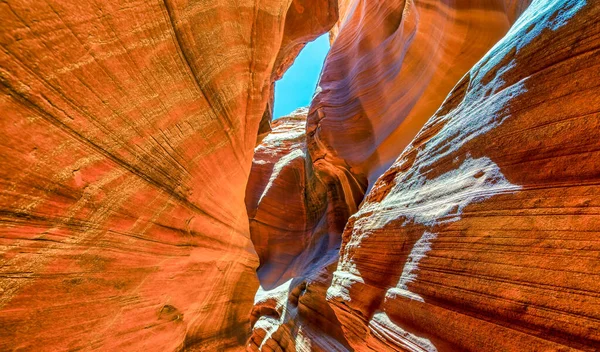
<point>126,141</point>
<point>391,65</point>
<point>136,213</point>
<point>310,174</point>
<point>482,236</point>
<point>296,221</point>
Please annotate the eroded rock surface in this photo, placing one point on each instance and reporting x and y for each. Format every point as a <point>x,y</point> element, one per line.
<point>304,186</point>
<point>133,215</point>
<point>391,65</point>
<point>483,235</point>
<point>127,135</point>
<point>296,221</point>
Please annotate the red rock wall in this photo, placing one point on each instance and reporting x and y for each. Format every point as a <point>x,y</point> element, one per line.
<point>297,217</point>
<point>303,187</point>
<point>133,215</point>
<point>482,236</point>
<point>391,65</point>
<point>126,142</point>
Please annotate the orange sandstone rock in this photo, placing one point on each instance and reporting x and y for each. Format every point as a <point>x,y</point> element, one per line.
<point>391,65</point>
<point>483,235</point>
<point>133,215</point>
<point>480,236</point>
<point>296,221</point>
<point>126,142</point>
<point>303,187</point>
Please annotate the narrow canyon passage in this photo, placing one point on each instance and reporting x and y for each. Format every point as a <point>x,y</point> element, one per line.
<point>440,192</point>
<point>379,87</point>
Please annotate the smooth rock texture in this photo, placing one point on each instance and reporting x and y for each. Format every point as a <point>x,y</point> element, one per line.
<point>126,141</point>
<point>483,235</point>
<point>304,186</point>
<point>441,192</point>
<point>296,221</point>
<point>391,65</point>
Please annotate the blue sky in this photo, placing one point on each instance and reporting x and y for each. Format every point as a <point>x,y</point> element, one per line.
<point>298,84</point>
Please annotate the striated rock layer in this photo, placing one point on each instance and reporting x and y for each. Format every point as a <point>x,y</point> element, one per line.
<point>297,216</point>
<point>126,142</point>
<point>391,65</point>
<point>134,215</point>
<point>483,235</point>
<point>304,186</point>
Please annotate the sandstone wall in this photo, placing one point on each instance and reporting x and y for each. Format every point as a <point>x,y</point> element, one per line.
<point>126,142</point>
<point>439,194</point>
<point>480,236</point>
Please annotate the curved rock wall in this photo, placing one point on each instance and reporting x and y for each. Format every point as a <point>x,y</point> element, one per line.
<point>296,230</point>
<point>482,236</point>
<point>391,65</point>
<point>304,186</point>
<point>126,142</point>
<point>134,217</point>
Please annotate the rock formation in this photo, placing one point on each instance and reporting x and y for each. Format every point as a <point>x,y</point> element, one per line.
<point>459,237</point>
<point>296,216</point>
<point>384,80</point>
<point>439,194</point>
<point>482,234</point>
<point>126,141</point>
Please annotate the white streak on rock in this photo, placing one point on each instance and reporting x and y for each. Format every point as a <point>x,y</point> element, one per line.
<point>281,163</point>
<point>386,330</point>
<point>409,273</point>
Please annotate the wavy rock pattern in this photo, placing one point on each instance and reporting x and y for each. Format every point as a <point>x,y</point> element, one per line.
<point>134,216</point>
<point>296,221</point>
<point>376,91</point>
<point>126,143</point>
<point>483,235</point>
<point>391,65</point>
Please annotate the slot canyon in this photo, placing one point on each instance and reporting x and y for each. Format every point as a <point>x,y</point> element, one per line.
<point>441,192</point>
